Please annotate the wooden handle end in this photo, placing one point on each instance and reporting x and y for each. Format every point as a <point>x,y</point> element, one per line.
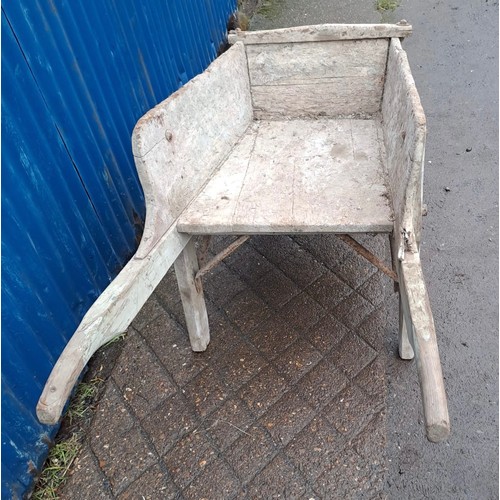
<point>436,433</point>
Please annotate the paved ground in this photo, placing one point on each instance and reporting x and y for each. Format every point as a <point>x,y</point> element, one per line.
<point>300,393</point>
<point>287,402</point>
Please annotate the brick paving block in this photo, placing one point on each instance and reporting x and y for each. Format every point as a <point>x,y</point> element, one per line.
<point>376,243</point>
<point>273,336</point>
<point>217,481</point>
<point>327,248</point>
<point>168,422</point>
<point>122,457</point>
<point>275,288</point>
<point>206,392</point>
<point>222,284</point>
<point>238,365</point>
<point>223,334</point>
<point>176,311</point>
<point>328,290</point>
<point>287,417</point>
<point>352,354</point>
<point>371,441</point>
<point>171,345</point>
<point>315,448</point>
<point>112,411</point>
<point>351,410</point>
<point>352,477</point>
<point>275,248</point>
<point>301,312</point>
<point>220,242</point>
<point>250,453</point>
<point>372,380</point>
<point>249,264</point>
<point>263,390</point>
<point>142,380</point>
<point>352,310</point>
<point>326,334</point>
<point>153,484</point>
<point>301,267</point>
<point>339,258</point>
<point>354,269</point>
<point>228,423</point>
<point>297,360</point>
<point>85,478</point>
<point>167,290</point>
<point>376,288</point>
<point>246,310</point>
<point>374,328</point>
<point>189,457</point>
<point>150,310</point>
<point>319,385</point>
<point>305,240</point>
<point>278,480</point>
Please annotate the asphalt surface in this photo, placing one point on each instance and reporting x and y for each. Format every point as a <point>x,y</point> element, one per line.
<point>454,58</point>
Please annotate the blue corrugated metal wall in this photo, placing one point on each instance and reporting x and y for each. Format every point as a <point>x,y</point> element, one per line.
<point>76,76</point>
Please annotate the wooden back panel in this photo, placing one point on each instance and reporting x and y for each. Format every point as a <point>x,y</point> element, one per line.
<point>404,136</point>
<point>330,70</point>
<point>178,144</point>
<point>309,79</point>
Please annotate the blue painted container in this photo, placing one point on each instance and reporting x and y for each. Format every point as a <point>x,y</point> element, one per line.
<point>76,77</point>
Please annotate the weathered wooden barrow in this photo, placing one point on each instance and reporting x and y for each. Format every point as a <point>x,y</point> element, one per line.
<point>315,129</point>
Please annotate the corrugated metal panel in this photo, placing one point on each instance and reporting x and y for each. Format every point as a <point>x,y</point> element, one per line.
<point>76,78</point>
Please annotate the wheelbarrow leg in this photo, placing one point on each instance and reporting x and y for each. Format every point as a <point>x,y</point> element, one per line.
<point>405,347</point>
<point>193,301</point>
<point>422,335</point>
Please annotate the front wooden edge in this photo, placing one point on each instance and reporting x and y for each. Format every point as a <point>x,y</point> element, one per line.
<point>109,316</point>
<point>321,32</point>
<point>424,341</point>
<point>62,379</point>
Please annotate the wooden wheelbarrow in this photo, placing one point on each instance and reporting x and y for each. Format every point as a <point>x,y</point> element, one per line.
<point>314,129</point>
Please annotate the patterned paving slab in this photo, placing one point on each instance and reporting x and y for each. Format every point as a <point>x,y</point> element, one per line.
<point>287,402</point>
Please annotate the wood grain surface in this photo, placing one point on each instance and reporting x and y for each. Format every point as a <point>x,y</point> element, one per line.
<point>297,176</point>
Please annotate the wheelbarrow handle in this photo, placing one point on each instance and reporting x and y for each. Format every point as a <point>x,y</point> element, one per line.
<point>422,335</point>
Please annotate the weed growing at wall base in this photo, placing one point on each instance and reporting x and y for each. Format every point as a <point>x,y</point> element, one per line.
<point>387,5</point>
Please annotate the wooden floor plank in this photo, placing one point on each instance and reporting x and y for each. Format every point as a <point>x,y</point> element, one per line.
<point>292,176</point>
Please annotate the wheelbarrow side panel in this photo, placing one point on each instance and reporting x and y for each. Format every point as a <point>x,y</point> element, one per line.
<point>178,144</point>
<point>404,135</point>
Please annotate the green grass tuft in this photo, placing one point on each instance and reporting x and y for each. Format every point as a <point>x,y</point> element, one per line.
<point>61,456</point>
<point>270,8</point>
<point>56,467</point>
<point>119,337</point>
<point>387,5</point>
<point>80,406</point>
<point>71,436</point>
